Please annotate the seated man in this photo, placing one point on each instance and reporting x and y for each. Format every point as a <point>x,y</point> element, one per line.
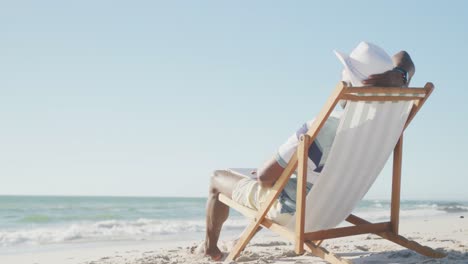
<point>252,193</point>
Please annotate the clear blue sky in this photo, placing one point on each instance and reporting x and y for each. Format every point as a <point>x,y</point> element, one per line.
<point>148,97</point>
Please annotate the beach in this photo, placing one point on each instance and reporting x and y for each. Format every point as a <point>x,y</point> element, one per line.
<point>125,237</point>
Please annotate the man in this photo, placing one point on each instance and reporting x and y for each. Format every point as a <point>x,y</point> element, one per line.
<point>360,66</point>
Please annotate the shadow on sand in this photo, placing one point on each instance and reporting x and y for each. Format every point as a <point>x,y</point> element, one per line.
<point>406,256</point>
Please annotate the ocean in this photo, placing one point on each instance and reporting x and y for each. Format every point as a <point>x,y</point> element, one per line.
<point>37,221</point>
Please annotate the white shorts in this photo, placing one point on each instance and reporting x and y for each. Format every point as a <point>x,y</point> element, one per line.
<point>249,193</point>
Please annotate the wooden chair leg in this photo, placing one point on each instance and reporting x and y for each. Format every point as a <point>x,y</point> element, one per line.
<point>413,245</point>
<point>400,240</point>
<point>325,254</point>
<point>247,235</point>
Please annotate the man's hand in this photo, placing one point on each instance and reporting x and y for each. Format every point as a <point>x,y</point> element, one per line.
<point>390,78</point>
<point>394,78</point>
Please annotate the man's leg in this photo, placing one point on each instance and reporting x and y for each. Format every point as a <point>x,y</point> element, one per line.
<point>222,181</point>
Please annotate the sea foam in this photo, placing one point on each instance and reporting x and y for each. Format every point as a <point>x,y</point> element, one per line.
<point>108,230</point>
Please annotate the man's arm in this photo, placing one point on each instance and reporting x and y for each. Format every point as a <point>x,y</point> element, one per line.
<point>269,173</point>
<point>403,60</point>
<point>393,77</point>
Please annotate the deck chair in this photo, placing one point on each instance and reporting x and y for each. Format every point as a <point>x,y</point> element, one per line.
<point>370,128</point>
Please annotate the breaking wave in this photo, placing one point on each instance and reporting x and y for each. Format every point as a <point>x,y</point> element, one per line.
<point>108,230</point>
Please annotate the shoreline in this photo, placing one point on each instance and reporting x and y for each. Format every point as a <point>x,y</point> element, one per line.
<point>448,233</point>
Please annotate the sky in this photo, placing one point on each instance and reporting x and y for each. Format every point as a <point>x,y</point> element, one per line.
<point>147,98</point>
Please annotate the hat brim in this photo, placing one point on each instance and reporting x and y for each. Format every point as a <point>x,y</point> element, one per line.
<point>348,62</point>
<point>342,57</point>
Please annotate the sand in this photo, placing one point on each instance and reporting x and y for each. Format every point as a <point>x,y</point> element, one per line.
<point>448,234</point>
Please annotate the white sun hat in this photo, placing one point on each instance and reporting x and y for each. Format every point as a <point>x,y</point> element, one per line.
<point>366,59</point>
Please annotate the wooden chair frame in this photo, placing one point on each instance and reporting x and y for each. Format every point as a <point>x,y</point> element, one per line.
<point>312,240</point>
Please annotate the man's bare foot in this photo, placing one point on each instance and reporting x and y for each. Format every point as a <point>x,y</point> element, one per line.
<point>215,253</point>
<point>200,249</point>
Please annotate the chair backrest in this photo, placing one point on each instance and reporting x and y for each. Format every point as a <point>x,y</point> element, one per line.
<point>366,137</point>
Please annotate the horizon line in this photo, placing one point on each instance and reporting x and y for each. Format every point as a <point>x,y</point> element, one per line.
<point>198,197</point>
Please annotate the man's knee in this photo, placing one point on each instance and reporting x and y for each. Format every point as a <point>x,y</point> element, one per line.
<point>215,179</point>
